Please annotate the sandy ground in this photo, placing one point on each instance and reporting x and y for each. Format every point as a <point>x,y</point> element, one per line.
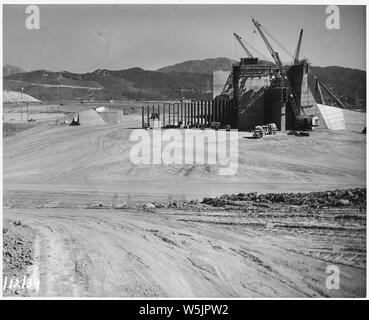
<point>183,253</point>
<point>71,163</point>
<point>17,117</point>
<point>52,177</point>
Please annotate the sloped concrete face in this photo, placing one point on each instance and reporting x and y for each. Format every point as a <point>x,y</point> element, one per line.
<point>112,116</point>
<point>354,120</point>
<point>90,117</point>
<point>307,98</point>
<point>333,117</point>
<point>219,79</point>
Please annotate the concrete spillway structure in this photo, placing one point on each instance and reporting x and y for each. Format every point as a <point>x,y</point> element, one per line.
<point>90,117</point>
<point>259,97</point>
<point>262,95</point>
<point>111,116</point>
<point>100,117</point>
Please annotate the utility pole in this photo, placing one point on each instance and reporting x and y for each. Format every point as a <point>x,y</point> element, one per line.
<point>22,105</point>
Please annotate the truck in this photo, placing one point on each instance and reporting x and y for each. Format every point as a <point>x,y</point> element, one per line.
<point>307,122</point>
<point>270,128</point>
<point>258,132</point>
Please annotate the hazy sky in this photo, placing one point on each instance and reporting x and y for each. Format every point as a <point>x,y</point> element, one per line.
<point>82,38</point>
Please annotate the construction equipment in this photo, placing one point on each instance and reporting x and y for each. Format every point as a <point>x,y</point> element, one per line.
<point>273,53</point>
<point>155,123</point>
<point>299,133</point>
<point>318,92</point>
<point>266,129</point>
<point>215,125</point>
<point>297,52</point>
<point>228,86</point>
<point>75,121</point>
<point>331,94</point>
<point>258,132</point>
<point>301,121</point>
<point>155,116</point>
<point>307,122</point>
<point>270,128</point>
<point>242,45</point>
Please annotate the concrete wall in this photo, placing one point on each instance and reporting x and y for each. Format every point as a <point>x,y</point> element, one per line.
<point>254,84</point>
<point>111,116</point>
<point>354,120</point>
<point>90,117</point>
<point>272,107</point>
<point>307,98</point>
<point>333,117</point>
<point>250,115</point>
<point>298,77</point>
<point>219,80</point>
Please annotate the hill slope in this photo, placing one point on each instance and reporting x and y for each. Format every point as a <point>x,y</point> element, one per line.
<point>102,84</point>
<point>348,84</point>
<point>207,66</point>
<point>191,79</point>
<point>200,66</point>
<point>9,69</point>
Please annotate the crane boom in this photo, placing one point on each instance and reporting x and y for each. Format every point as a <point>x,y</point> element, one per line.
<point>333,96</point>
<point>270,48</point>
<point>297,53</point>
<point>242,45</point>
<point>318,91</point>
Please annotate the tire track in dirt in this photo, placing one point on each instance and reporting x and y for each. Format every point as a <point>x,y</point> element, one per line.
<point>57,276</point>
<point>110,252</point>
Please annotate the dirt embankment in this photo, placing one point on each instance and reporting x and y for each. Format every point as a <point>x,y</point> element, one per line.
<point>18,257</point>
<point>11,129</point>
<point>335,198</point>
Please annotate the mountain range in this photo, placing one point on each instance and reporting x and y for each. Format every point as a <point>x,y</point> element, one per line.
<point>190,79</point>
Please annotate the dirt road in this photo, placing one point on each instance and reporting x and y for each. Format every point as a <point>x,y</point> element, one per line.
<point>261,252</point>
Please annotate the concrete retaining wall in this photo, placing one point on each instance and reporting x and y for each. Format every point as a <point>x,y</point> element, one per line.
<point>111,116</point>
<point>333,117</point>
<point>90,117</point>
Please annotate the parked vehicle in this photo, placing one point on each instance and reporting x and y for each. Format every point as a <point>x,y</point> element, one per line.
<point>270,128</point>
<point>258,132</point>
<point>307,122</point>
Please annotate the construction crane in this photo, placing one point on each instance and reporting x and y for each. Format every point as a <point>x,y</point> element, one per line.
<point>274,54</point>
<point>239,39</point>
<point>331,94</point>
<point>318,91</point>
<point>285,81</point>
<point>297,52</point>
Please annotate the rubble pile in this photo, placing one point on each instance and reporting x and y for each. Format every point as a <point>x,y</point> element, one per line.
<point>335,198</point>
<point>17,248</point>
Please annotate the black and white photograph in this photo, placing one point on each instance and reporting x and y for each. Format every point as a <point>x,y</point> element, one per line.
<point>184,151</point>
